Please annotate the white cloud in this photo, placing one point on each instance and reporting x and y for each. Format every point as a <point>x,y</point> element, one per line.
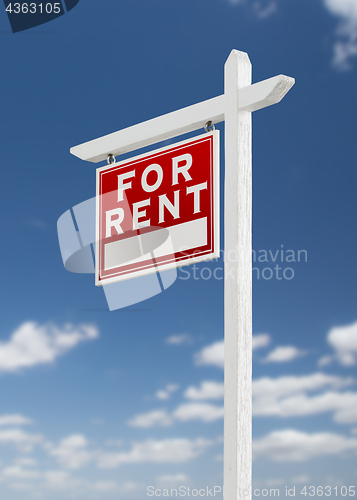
<point>179,339</point>
<point>286,397</point>
<point>26,462</point>
<point>236,2</point>
<point>346,43</point>
<point>129,486</point>
<point>346,9</point>
<point>213,354</point>
<point>114,442</point>
<point>17,472</point>
<point>274,482</point>
<point>263,11</point>
<point>165,394</point>
<point>291,445</point>
<point>261,8</point>
<point>346,408</point>
<point>162,394</point>
<point>260,340</point>
<point>198,411</point>
<point>303,479</point>
<point>32,344</point>
<point>172,480</point>
<point>60,480</point>
<point>283,397</point>
<point>151,451</point>
<point>343,339</point>
<point>209,389</point>
<point>14,420</point>
<point>105,486</point>
<point>344,405</point>
<point>344,50</point>
<point>21,486</point>
<point>292,384</point>
<point>150,419</point>
<point>282,354</point>
<point>22,440</point>
<point>183,413</point>
<point>325,361</point>
<point>72,452</point>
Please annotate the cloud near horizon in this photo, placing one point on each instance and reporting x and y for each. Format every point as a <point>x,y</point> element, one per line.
<point>291,445</point>
<point>343,339</point>
<point>283,397</point>
<point>14,420</point>
<point>32,344</point>
<point>288,396</point>
<point>283,354</point>
<point>179,339</point>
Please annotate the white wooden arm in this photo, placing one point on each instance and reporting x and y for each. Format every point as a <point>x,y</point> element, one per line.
<point>251,98</point>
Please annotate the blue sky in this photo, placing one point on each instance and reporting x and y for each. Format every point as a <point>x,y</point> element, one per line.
<point>100,404</point>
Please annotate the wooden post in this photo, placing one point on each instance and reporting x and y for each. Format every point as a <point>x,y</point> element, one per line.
<point>238,283</point>
<point>235,106</point>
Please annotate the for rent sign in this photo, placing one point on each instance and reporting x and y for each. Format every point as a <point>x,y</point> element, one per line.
<point>158,210</point>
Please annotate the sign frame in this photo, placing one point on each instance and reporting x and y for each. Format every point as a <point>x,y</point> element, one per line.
<point>214,196</point>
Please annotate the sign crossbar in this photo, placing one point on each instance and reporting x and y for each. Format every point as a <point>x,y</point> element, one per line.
<point>251,98</point>
<point>235,106</point>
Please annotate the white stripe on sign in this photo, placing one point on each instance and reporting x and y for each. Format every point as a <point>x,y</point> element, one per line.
<point>181,237</point>
<point>188,235</point>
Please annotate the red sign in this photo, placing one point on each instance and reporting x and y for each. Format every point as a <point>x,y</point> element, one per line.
<point>159,210</point>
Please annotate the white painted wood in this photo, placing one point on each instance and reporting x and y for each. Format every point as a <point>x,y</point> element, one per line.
<point>158,129</point>
<point>235,107</point>
<point>184,120</point>
<point>265,93</point>
<point>238,283</point>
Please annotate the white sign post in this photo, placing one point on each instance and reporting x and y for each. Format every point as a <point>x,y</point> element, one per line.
<point>234,107</point>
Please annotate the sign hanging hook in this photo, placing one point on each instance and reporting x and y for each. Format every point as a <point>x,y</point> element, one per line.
<point>110,159</point>
<point>209,127</point>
